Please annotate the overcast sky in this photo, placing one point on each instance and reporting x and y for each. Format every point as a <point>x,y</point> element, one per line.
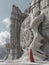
<point>5,12</point>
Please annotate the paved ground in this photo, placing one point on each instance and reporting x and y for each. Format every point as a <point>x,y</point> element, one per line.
<point>14,62</point>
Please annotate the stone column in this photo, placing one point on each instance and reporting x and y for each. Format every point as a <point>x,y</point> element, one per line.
<point>16,20</point>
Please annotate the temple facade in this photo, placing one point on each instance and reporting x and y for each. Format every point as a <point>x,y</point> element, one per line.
<point>31,29</point>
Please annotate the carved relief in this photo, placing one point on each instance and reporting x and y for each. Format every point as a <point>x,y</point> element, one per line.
<point>33,31</point>
<point>26,35</point>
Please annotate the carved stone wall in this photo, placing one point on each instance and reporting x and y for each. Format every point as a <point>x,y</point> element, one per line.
<point>38,27</point>
<point>26,35</point>
<point>31,28</point>
<point>42,8</point>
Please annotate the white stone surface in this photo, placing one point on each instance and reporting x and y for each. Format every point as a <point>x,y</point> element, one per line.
<point>16,62</point>
<point>30,38</point>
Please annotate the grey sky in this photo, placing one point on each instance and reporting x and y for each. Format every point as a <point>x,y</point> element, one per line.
<point>5,9</point>
<point>6,5</point>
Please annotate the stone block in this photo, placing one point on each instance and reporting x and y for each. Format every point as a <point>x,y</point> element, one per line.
<point>36,10</point>
<point>32,7</point>
<point>48,2</point>
<point>48,13</point>
<point>38,0</point>
<point>44,3</point>
<point>33,2</point>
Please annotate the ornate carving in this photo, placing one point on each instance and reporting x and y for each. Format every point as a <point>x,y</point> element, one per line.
<point>26,35</point>
<point>32,33</point>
